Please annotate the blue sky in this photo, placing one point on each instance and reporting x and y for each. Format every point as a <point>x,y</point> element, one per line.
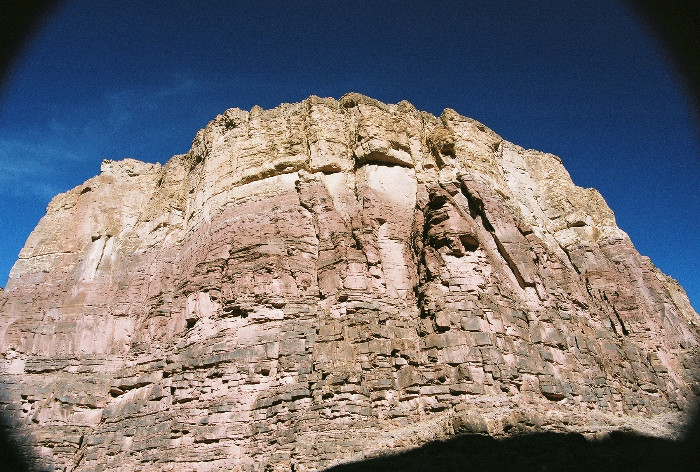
<point>583,80</point>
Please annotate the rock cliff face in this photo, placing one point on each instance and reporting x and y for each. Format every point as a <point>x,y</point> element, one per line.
<point>326,281</point>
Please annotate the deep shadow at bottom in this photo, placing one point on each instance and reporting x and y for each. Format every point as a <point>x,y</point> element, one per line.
<point>541,452</point>
<point>618,451</point>
<point>15,454</point>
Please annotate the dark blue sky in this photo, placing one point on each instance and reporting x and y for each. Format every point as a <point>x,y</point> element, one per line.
<point>582,80</point>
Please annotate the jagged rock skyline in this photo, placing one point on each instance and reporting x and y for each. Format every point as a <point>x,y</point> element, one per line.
<point>330,280</point>
<point>585,82</point>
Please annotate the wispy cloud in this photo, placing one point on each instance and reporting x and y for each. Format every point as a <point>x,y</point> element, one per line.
<point>121,108</point>
<point>50,157</point>
<point>28,168</point>
<point>182,87</point>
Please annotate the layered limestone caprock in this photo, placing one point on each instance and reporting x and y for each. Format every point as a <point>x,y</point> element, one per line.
<point>325,281</point>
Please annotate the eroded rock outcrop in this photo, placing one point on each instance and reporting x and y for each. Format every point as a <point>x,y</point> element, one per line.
<point>328,280</point>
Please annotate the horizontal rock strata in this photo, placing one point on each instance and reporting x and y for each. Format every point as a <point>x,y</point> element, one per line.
<point>327,280</point>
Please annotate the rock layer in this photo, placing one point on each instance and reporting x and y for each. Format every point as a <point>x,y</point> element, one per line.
<point>329,280</point>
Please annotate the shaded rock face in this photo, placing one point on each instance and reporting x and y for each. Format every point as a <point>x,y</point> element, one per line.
<point>327,281</point>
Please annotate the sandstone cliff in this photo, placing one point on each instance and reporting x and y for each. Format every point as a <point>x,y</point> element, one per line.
<point>325,281</point>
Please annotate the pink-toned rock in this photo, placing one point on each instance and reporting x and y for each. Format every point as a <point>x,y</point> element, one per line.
<point>327,280</point>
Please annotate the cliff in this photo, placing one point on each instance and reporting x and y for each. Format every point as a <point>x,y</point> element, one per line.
<point>328,281</point>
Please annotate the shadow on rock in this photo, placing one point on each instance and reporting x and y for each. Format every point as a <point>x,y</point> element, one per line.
<point>17,453</point>
<point>620,451</point>
<point>14,457</point>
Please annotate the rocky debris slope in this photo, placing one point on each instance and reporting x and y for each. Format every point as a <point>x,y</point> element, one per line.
<point>325,281</point>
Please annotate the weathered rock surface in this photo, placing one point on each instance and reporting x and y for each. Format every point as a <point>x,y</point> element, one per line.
<point>328,280</point>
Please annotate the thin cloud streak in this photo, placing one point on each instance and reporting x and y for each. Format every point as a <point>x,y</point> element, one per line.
<point>68,146</point>
<point>30,168</point>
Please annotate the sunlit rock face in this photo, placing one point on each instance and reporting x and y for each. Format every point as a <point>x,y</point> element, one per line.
<point>327,281</point>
